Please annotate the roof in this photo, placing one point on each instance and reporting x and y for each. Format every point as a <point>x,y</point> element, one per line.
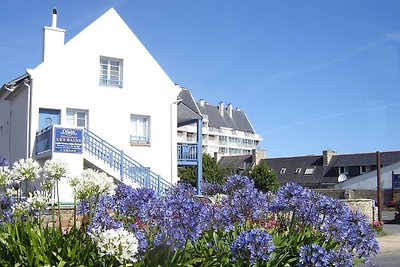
<point>325,175</point>
<point>15,85</point>
<point>216,118</point>
<point>300,164</point>
<point>187,109</point>
<point>235,162</point>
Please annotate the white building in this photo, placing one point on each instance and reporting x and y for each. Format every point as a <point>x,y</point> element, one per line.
<point>107,94</point>
<point>226,131</point>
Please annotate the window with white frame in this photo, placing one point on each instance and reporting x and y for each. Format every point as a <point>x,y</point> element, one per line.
<point>364,169</point>
<point>140,129</point>
<point>75,117</point>
<point>111,71</point>
<point>344,170</point>
<point>282,171</point>
<point>297,171</point>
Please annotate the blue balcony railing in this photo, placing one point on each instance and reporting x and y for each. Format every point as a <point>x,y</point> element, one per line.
<point>187,152</point>
<point>126,166</point>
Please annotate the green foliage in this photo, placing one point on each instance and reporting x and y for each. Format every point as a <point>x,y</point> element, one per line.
<point>264,178</point>
<point>211,172</point>
<point>23,243</point>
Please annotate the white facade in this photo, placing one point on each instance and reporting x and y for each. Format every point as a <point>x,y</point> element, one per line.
<point>68,81</point>
<point>222,140</point>
<point>368,181</point>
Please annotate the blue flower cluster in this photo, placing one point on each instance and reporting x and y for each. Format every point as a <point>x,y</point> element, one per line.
<point>180,217</point>
<point>252,245</point>
<point>6,203</point>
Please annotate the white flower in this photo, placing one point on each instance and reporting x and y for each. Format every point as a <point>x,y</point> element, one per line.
<point>39,199</point>
<point>119,243</point>
<point>92,183</point>
<point>12,192</point>
<point>5,178</point>
<point>20,208</point>
<point>26,170</point>
<point>55,169</point>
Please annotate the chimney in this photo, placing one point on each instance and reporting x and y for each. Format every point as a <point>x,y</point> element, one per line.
<point>53,39</point>
<point>327,156</point>
<point>257,155</point>
<point>229,107</point>
<point>201,102</point>
<point>221,108</point>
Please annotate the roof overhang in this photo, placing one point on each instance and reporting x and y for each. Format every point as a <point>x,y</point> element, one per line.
<point>186,115</point>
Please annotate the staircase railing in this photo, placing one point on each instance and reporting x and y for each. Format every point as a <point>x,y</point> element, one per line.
<point>127,167</point>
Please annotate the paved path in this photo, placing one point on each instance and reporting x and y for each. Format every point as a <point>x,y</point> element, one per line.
<point>389,254</point>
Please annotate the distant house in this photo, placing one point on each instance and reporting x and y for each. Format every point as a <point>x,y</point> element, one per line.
<point>322,171</point>
<point>225,130</point>
<point>99,100</point>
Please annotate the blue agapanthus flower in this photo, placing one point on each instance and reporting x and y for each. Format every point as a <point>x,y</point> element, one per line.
<point>313,255</point>
<point>253,245</point>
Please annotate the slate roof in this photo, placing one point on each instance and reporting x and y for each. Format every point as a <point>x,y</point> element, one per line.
<point>325,175</point>
<point>239,162</point>
<point>238,121</point>
<point>187,109</point>
<point>292,164</point>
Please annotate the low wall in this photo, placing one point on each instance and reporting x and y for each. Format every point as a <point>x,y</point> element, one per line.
<point>359,194</point>
<point>365,206</point>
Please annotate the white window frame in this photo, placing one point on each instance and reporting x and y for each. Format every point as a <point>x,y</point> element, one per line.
<point>344,170</point>
<point>72,115</point>
<point>282,171</point>
<point>367,169</point>
<point>297,171</point>
<point>140,136</point>
<point>111,72</point>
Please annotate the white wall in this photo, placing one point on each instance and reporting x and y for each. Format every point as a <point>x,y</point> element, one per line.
<point>368,180</point>
<point>13,120</point>
<point>71,80</point>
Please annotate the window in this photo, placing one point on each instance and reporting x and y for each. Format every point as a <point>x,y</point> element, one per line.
<point>364,169</point>
<point>111,72</point>
<point>297,171</point>
<point>77,118</point>
<point>309,171</point>
<point>140,129</point>
<point>283,171</point>
<point>344,170</point>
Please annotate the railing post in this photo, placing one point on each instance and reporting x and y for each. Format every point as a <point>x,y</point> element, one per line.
<point>158,184</point>
<point>199,156</point>
<point>121,169</point>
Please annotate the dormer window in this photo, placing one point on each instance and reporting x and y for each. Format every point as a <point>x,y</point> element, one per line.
<point>283,171</point>
<point>297,171</point>
<point>110,72</point>
<point>309,171</point>
<point>344,170</point>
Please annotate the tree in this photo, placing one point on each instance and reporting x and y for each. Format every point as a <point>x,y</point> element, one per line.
<point>264,178</point>
<point>211,171</point>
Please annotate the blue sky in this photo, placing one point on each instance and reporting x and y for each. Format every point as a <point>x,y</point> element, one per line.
<point>310,75</point>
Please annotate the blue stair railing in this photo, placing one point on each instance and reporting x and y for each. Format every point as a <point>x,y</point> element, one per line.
<point>127,167</point>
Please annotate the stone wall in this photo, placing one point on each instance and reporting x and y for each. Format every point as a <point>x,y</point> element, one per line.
<point>365,206</point>
<point>359,194</point>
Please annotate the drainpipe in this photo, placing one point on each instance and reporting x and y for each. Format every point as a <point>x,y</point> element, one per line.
<point>171,133</point>
<point>29,119</point>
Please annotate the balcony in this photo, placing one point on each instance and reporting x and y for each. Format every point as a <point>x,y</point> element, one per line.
<point>187,154</point>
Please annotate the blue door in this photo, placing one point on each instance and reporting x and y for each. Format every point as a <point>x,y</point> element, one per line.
<point>48,117</point>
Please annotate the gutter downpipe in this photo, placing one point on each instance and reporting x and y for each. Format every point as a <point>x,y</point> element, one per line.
<point>29,121</point>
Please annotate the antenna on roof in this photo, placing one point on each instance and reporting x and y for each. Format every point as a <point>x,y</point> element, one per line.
<point>342,178</point>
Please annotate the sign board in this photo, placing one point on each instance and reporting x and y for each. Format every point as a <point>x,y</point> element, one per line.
<point>68,140</point>
<point>396,180</point>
